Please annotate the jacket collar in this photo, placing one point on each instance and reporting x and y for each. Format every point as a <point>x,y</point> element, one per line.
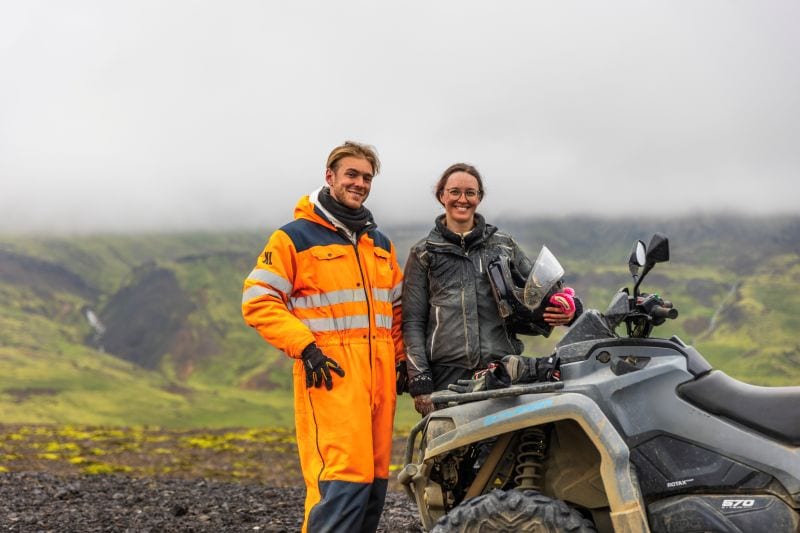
<point>309,208</point>
<point>479,233</point>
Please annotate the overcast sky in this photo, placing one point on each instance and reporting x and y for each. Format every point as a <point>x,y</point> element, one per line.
<point>147,115</point>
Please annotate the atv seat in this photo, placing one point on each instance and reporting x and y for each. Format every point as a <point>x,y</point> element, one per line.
<point>774,411</point>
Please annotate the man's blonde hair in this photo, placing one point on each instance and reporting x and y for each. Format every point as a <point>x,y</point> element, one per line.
<point>354,149</point>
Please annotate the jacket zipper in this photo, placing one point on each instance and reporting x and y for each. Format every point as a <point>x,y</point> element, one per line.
<point>464,317</point>
<point>463,302</point>
<point>354,242</point>
<point>369,306</point>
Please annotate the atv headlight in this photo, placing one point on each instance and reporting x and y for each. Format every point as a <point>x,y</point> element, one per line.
<point>438,426</point>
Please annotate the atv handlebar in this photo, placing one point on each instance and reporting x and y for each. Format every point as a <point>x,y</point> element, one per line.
<point>663,312</point>
<point>656,308</point>
<point>648,311</point>
<point>644,311</point>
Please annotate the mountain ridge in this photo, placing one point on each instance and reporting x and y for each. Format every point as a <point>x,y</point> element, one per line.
<point>170,306</point>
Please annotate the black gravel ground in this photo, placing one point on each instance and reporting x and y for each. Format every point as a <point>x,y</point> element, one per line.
<point>43,502</point>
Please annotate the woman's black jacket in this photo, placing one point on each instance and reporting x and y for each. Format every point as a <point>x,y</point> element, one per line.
<point>450,316</point>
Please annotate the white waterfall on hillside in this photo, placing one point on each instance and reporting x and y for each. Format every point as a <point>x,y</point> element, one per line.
<point>97,325</point>
<point>713,322</point>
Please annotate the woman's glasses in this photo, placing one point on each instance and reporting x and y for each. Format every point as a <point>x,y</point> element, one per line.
<point>455,194</point>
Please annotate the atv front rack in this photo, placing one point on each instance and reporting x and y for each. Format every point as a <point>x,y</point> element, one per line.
<point>448,398</point>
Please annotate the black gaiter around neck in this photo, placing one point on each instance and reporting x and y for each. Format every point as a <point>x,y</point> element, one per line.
<point>353,219</point>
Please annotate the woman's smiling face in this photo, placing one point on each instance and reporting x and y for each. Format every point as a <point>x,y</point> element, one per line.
<point>460,198</point>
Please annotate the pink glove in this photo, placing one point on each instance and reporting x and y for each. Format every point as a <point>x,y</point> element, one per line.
<point>564,300</point>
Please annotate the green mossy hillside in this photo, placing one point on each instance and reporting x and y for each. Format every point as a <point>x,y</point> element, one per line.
<point>171,349</point>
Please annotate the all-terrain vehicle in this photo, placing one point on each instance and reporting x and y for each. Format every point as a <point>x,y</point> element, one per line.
<point>641,434</point>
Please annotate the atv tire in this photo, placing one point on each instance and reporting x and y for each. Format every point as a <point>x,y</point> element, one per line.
<point>513,511</point>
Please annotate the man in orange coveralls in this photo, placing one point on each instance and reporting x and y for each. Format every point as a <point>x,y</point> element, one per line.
<point>326,291</point>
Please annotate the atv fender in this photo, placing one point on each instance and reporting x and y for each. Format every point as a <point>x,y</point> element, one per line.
<point>627,510</point>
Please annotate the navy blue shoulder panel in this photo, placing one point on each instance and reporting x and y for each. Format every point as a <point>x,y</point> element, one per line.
<point>380,240</point>
<point>305,234</point>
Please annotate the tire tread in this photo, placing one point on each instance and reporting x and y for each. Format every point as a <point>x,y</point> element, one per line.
<point>511,511</point>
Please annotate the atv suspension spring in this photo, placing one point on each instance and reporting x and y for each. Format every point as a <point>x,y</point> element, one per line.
<point>530,454</point>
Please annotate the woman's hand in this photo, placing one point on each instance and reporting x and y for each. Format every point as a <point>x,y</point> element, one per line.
<point>423,404</point>
<point>556,316</point>
<point>564,308</point>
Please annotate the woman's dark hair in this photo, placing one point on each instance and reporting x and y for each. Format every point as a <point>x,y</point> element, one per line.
<point>452,169</point>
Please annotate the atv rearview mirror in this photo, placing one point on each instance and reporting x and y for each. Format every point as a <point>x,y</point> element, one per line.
<point>637,258</point>
<point>657,252</point>
<point>658,249</point>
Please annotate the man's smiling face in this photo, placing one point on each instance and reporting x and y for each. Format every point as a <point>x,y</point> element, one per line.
<point>350,181</point>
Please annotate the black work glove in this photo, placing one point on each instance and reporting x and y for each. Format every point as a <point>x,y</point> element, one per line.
<point>531,370</point>
<point>521,369</point>
<point>318,367</point>
<point>494,377</point>
<point>548,368</point>
<point>401,377</point>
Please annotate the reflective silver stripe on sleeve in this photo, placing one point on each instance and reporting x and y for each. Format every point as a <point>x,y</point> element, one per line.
<point>270,278</point>
<point>257,291</point>
<point>383,321</point>
<point>436,327</point>
<point>391,296</point>
<point>337,324</point>
<point>397,293</point>
<point>381,295</point>
<point>325,299</point>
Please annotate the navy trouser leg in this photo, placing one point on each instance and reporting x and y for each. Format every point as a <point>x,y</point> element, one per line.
<point>341,508</point>
<point>377,497</point>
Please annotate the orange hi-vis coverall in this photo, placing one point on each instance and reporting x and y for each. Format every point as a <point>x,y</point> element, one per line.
<point>314,284</point>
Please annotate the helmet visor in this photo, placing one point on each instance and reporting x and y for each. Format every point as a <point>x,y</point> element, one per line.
<point>545,274</point>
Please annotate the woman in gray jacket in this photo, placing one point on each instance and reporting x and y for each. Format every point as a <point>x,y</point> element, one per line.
<point>451,323</point>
